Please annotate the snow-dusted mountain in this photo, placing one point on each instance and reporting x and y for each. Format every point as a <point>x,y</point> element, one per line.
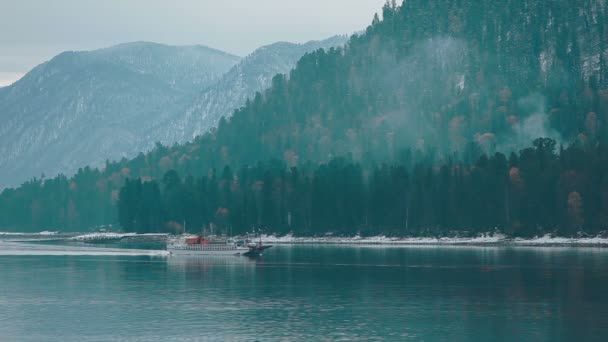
<point>82,108</point>
<point>252,74</point>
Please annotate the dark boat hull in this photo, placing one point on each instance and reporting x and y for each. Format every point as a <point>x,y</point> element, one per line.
<point>257,250</point>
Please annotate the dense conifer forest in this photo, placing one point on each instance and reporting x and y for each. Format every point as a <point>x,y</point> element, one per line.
<point>539,190</point>
<point>416,126</point>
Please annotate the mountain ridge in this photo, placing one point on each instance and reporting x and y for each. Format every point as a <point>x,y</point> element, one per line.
<point>252,74</point>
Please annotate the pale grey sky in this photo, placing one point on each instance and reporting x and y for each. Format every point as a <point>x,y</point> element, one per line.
<point>33,31</point>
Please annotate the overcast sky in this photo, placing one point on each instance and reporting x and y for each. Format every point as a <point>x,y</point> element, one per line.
<point>33,31</point>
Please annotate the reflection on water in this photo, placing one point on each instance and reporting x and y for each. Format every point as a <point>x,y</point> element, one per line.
<point>310,293</point>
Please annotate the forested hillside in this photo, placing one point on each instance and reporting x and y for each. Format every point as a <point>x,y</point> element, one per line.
<point>429,89</point>
<point>519,70</point>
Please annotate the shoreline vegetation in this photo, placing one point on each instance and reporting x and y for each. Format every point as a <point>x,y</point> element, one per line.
<point>486,239</point>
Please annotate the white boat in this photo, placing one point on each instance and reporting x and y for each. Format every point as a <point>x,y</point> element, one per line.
<point>206,246</point>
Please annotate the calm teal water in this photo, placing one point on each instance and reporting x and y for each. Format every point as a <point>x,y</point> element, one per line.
<point>303,293</point>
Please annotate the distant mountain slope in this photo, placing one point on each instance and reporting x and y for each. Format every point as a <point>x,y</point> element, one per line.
<point>252,74</point>
<point>84,107</point>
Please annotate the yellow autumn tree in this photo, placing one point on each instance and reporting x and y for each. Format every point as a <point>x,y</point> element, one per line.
<point>575,210</point>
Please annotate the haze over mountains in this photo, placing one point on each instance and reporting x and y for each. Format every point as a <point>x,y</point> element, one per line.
<point>82,108</point>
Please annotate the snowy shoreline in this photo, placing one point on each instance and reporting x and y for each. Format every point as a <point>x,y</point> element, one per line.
<point>488,239</point>
<point>481,240</point>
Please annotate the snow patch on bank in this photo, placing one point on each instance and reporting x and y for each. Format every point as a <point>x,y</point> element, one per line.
<point>556,240</point>
<point>108,236</point>
<point>95,236</point>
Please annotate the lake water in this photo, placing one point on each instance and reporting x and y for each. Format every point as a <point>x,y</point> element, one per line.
<point>307,293</point>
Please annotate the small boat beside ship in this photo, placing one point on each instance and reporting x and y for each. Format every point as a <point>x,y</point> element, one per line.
<point>201,245</point>
<point>256,248</point>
